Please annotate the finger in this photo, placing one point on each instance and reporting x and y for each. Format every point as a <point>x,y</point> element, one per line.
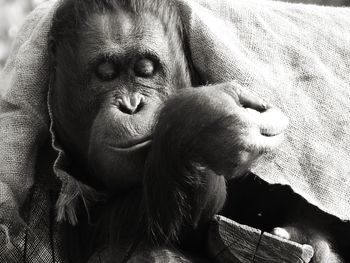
<point>258,143</point>
<point>273,122</point>
<point>281,232</point>
<point>263,131</point>
<point>249,100</point>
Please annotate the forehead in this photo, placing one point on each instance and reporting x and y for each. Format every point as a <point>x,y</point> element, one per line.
<point>120,31</point>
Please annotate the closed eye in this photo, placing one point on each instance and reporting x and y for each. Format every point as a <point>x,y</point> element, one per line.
<point>144,68</point>
<point>106,71</point>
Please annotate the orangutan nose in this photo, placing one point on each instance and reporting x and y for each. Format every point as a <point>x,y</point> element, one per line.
<point>131,103</point>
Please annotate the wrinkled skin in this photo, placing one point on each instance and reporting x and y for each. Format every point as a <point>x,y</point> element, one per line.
<point>127,113</point>
<point>108,124</point>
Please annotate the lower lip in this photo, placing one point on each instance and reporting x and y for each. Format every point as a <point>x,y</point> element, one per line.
<point>134,147</point>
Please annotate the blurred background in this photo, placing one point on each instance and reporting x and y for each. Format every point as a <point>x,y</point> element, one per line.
<point>321,2</point>
<point>13,12</point>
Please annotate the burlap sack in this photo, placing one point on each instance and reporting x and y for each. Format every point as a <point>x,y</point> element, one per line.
<point>295,56</point>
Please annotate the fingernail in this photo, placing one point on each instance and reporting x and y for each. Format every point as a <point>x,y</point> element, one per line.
<point>264,105</point>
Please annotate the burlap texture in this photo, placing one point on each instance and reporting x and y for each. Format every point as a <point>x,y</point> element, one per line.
<point>295,56</point>
<point>27,193</point>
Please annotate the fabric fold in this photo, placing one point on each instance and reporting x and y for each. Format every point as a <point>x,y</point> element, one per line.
<point>295,56</point>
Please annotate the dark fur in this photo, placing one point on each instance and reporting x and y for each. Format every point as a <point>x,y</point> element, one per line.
<point>192,153</point>
<point>195,147</point>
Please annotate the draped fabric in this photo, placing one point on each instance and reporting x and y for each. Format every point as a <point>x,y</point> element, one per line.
<point>295,56</point>
<point>298,58</point>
